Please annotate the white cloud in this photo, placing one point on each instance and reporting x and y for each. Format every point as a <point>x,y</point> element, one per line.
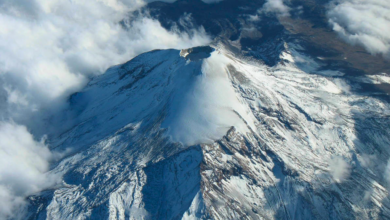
<point>362,22</point>
<point>208,107</point>
<point>48,50</point>
<point>276,6</point>
<point>23,163</point>
<point>339,169</point>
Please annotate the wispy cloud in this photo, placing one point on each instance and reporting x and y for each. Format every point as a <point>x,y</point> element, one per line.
<point>277,7</point>
<point>339,169</point>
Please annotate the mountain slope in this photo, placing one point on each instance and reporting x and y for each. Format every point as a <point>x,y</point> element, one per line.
<point>204,133</point>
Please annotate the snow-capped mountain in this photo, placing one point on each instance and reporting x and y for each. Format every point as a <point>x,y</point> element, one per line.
<point>194,109</point>
<point>206,133</point>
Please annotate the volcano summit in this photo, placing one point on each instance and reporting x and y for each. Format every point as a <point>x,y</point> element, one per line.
<point>196,135</point>
<point>222,109</point>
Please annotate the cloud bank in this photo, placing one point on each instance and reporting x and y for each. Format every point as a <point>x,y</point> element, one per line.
<point>364,23</point>
<point>23,163</point>
<point>49,49</point>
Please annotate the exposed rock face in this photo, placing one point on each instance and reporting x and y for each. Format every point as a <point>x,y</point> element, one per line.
<point>220,138</point>
<point>197,53</point>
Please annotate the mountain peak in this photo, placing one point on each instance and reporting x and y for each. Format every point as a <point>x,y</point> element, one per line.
<point>160,137</point>
<point>197,53</point>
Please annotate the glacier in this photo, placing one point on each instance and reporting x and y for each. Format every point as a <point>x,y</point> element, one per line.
<point>206,133</point>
